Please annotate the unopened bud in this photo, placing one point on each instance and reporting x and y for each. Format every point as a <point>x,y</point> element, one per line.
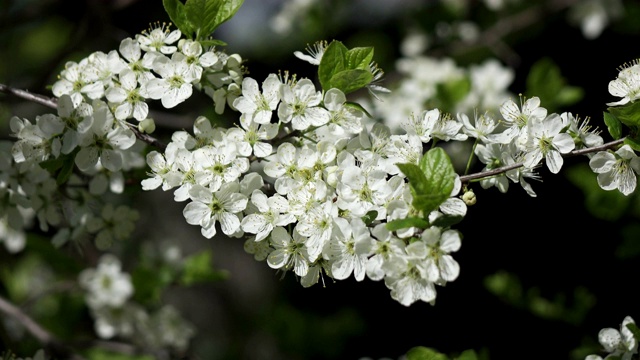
<point>469,197</point>
<point>147,126</point>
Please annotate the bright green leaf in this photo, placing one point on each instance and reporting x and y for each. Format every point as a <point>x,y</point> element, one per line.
<point>425,353</point>
<point>206,15</point>
<point>394,225</point>
<point>333,61</point>
<point>359,58</point>
<point>415,175</point>
<point>350,80</point>
<point>227,9</point>
<point>628,114</point>
<point>613,125</point>
<point>440,177</point>
<point>176,11</point>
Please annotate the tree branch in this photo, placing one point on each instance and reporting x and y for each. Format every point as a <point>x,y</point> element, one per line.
<point>45,338</point>
<point>504,169</point>
<point>36,98</point>
<point>53,103</point>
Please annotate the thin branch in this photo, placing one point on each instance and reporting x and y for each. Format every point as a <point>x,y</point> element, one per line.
<point>36,98</point>
<point>504,169</point>
<point>44,337</point>
<point>53,103</point>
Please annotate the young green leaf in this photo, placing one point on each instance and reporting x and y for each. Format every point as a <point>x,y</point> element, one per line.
<point>202,15</point>
<point>613,125</point>
<point>416,177</point>
<point>439,180</point>
<point>227,9</point>
<point>628,114</point>
<point>359,58</point>
<point>333,61</point>
<point>350,80</point>
<point>176,11</point>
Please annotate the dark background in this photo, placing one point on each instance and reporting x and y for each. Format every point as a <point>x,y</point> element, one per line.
<point>552,245</point>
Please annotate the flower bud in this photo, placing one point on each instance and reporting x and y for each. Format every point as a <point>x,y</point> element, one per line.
<point>147,126</point>
<point>469,197</point>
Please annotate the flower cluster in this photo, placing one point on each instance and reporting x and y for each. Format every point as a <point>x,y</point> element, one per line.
<point>302,175</point>
<point>108,293</point>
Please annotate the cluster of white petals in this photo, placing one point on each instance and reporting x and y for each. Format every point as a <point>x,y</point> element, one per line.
<point>108,293</point>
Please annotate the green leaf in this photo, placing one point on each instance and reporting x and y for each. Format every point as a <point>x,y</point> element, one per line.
<point>447,220</point>
<point>359,58</point>
<point>370,217</point>
<point>201,14</point>
<point>53,164</point>
<point>394,225</point>
<point>176,11</point>
<point>628,114</point>
<point>358,107</point>
<point>439,176</point>
<point>350,80</point>
<point>227,9</point>
<point>633,142</point>
<point>634,330</point>
<point>613,125</point>
<point>416,177</point>
<point>425,353</point>
<point>198,268</point>
<point>332,62</point>
<point>468,355</point>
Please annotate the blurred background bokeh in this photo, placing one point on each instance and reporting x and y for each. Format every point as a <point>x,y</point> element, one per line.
<point>539,276</point>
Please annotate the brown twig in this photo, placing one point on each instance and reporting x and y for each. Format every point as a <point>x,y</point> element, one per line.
<point>504,169</point>
<point>53,103</point>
